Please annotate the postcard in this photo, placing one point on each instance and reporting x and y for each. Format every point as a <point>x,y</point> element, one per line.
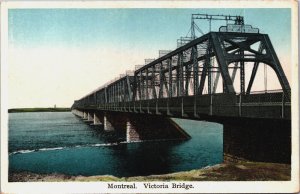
<point>149,97</point>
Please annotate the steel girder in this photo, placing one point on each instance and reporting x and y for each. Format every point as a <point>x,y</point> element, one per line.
<point>172,74</point>
<point>243,52</point>
<point>226,47</point>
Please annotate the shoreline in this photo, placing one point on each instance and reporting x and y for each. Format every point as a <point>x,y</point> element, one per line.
<point>226,171</point>
<point>20,110</point>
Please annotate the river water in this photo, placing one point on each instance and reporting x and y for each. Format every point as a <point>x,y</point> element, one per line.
<point>59,142</point>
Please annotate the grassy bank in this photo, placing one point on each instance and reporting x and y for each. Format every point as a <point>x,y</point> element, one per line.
<point>39,110</point>
<point>242,171</point>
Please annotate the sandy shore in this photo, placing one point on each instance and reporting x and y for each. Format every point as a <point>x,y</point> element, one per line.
<point>241,171</point>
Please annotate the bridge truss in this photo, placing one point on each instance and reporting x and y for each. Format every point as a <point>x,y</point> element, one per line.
<point>184,71</point>
<point>212,60</point>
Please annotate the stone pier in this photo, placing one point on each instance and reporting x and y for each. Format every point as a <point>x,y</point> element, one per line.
<point>108,126</point>
<point>262,140</point>
<point>85,115</point>
<point>131,133</point>
<point>90,116</point>
<point>137,127</point>
<point>98,119</point>
<point>77,113</point>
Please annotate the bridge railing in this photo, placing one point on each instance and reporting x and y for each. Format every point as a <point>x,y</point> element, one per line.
<point>270,96</point>
<point>270,104</point>
<point>265,104</point>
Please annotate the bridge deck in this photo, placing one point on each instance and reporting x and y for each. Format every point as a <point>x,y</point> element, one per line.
<point>174,84</point>
<point>266,105</point>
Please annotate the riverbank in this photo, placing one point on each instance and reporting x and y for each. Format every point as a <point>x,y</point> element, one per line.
<point>15,110</point>
<point>241,171</point>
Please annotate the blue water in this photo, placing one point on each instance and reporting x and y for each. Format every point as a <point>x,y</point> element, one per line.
<point>60,142</point>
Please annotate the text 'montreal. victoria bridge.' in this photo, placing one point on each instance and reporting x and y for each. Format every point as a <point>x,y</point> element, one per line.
<point>203,79</point>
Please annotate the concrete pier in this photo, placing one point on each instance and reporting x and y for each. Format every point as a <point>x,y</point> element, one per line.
<point>262,140</point>
<point>136,127</point>
<point>108,126</point>
<point>90,116</point>
<point>131,133</point>
<point>85,115</point>
<point>98,119</point>
<point>77,113</point>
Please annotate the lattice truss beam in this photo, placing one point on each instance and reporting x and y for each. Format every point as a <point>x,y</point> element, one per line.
<point>197,67</point>
<point>206,65</point>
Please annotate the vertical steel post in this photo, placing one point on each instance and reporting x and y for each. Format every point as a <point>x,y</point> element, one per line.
<point>216,81</point>
<point>196,69</point>
<point>170,94</point>
<point>141,90</point>
<point>211,105</point>
<point>187,78</point>
<point>182,110</point>
<point>194,56</point>
<point>180,89</point>
<point>123,94</point>
<point>181,78</point>
<point>131,93</point>
<point>135,91</point>
<point>153,82</point>
<point>143,85</point>
<point>146,79</point>
<point>209,72</point>
<point>224,86</point>
<point>205,68</point>
<point>240,104</point>
<point>108,95</point>
<point>161,85</point>
<point>115,91</point>
<point>147,90</point>
<point>111,96</point>
<point>178,76</point>
<point>242,74</point>
<point>282,105</point>
<point>118,95</point>
<point>156,106</point>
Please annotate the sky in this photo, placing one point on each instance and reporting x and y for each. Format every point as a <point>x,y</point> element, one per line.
<point>57,56</point>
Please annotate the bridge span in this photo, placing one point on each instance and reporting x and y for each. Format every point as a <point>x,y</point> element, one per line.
<point>203,79</point>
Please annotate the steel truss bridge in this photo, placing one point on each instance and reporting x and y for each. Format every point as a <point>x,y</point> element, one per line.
<point>198,81</point>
